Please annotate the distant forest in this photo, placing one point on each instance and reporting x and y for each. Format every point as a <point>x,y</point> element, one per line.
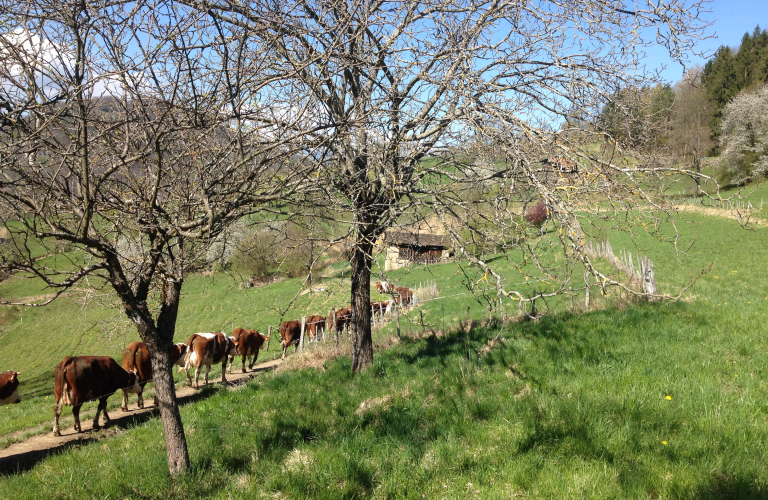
<point>732,70</point>
<point>720,109</point>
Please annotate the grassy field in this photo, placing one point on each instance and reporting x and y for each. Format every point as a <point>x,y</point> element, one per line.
<point>632,400</point>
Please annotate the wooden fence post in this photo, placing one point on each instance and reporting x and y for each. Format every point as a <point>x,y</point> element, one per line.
<point>335,331</point>
<point>269,336</point>
<point>649,278</point>
<point>570,294</point>
<point>423,327</point>
<point>397,315</point>
<point>301,338</point>
<point>586,299</point>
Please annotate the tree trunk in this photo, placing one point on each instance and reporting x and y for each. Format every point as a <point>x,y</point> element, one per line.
<point>159,342</point>
<point>697,166</point>
<point>362,343</point>
<point>175,440</point>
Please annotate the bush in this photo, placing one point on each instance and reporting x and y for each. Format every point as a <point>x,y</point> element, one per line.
<point>537,215</point>
<point>257,255</point>
<point>269,253</point>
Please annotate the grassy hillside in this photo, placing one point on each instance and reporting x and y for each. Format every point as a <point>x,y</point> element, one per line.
<point>644,400</point>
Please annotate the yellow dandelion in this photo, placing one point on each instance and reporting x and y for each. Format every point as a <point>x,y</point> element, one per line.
<point>664,443</point>
<point>669,398</point>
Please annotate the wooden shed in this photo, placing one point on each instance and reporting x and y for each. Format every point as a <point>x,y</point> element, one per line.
<point>422,248</point>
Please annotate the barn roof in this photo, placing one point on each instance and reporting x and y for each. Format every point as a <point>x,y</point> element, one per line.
<point>417,239</point>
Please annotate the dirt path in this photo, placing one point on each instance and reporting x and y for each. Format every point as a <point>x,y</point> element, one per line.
<point>719,212</point>
<point>25,454</point>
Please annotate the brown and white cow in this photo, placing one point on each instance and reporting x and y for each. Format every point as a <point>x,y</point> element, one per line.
<point>290,333</point>
<point>405,295</point>
<point>385,287</point>
<point>315,326</point>
<point>9,385</point>
<point>379,308</point>
<point>136,359</point>
<point>207,349</point>
<point>178,353</point>
<point>343,318</point>
<point>247,343</point>
<point>79,379</point>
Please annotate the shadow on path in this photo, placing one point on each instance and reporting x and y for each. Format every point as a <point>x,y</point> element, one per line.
<point>38,448</point>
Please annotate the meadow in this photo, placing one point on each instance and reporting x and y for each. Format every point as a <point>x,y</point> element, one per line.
<point>627,400</point>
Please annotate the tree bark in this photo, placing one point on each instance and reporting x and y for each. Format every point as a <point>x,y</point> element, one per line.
<point>175,439</point>
<point>159,340</point>
<point>362,343</point>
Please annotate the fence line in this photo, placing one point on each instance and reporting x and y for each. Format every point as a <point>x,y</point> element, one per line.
<point>709,202</point>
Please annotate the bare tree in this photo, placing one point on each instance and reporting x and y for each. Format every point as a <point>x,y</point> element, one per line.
<point>690,136</point>
<point>398,86</point>
<point>135,133</point>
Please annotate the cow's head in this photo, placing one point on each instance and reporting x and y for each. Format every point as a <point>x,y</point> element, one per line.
<point>133,382</point>
<point>13,384</point>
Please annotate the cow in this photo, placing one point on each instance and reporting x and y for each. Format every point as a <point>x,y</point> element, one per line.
<point>207,349</point>
<point>379,308</point>
<point>290,333</point>
<point>315,326</point>
<point>136,359</point>
<point>247,343</point>
<point>178,352</point>
<point>343,317</point>
<point>406,296</point>
<point>9,385</point>
<point>384,287</point>
<point>79,379</point>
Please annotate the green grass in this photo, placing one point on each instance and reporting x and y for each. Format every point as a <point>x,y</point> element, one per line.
<point>570,407</point>
<point>573,406</point>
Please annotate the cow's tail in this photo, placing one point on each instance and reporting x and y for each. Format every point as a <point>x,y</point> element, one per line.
<point>65,398</point>
<point>186,356</point>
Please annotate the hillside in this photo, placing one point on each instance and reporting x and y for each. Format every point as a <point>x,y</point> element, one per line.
<point>661,400</point>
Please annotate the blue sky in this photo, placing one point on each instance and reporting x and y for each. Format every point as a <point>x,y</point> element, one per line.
<point>732,18</point>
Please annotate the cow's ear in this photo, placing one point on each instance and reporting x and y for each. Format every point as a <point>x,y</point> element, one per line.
<point>15,376</point>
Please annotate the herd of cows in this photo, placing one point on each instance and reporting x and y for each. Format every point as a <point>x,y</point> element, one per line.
<point>80,379</point>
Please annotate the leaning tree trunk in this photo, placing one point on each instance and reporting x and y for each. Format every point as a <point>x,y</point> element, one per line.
<point>362,343</point>
<point>159,341</point>
<point>175,440</point>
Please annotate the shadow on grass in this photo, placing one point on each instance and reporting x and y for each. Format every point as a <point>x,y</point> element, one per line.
<point>22,462</point>
<point>728,487</point>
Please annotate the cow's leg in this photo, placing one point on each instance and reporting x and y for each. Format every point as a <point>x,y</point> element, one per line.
<point>125,400</point>
<point>207,371</point>
<point>56,415</point>
<point>254,358</point>
<point>224,370</point>
<point>76,415</point>
<point>103,404</point>
<point>197,377</point>
<point>285,348</point>
<point>141,396</point>
<point>245,356</point>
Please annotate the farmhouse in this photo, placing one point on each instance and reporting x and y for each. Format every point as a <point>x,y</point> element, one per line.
<point>414,247</point>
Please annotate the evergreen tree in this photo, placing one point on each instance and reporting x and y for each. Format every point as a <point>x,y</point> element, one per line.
<point>731,71</point>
